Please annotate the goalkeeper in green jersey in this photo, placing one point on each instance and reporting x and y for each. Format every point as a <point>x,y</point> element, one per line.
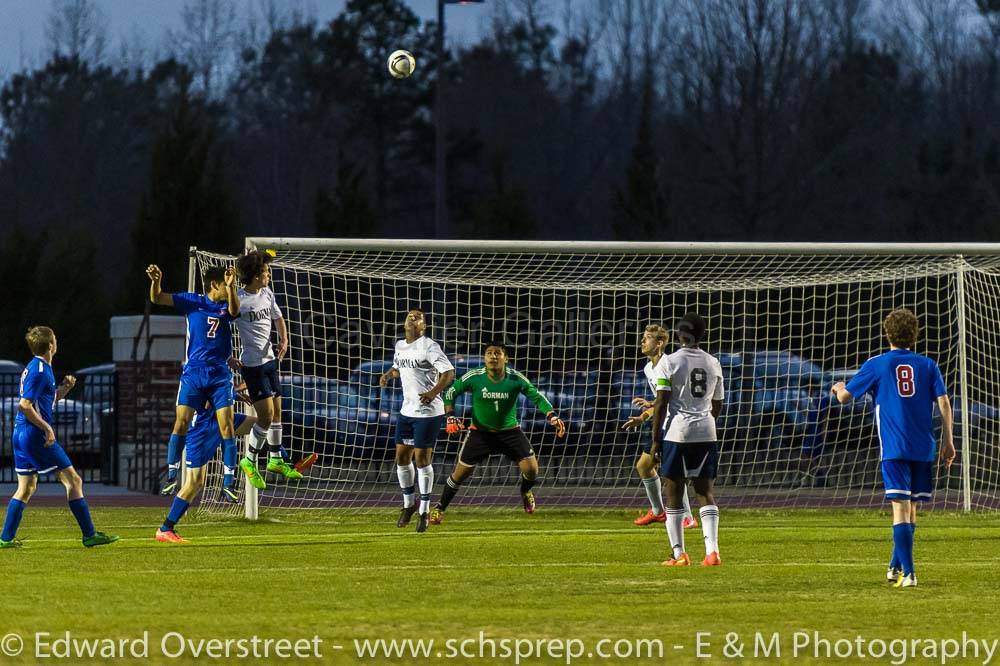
<point>495,429</point>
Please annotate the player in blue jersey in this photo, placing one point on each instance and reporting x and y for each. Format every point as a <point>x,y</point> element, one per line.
<point>36,450</point>
<point>905,386</point>
<point>206,376</point>
<point>202,441</point>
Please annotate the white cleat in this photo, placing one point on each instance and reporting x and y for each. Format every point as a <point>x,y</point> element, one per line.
<point>909,580</point>
<point>893,574</point>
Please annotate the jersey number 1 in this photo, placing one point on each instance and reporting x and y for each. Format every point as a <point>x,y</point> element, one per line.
<point>213,325</point>
<point>904,381</point>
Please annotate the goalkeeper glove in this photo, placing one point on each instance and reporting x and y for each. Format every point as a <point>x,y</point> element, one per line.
<point>454,424</point>
<point>558,424</point>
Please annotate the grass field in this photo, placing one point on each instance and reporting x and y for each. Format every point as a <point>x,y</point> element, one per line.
<point>559,574</point>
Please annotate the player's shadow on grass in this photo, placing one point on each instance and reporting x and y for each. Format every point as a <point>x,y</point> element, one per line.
<point>282,544</point>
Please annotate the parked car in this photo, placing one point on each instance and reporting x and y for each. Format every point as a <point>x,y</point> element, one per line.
<point>96,386</point>
<point>75,422</point>
<point>10,378</point>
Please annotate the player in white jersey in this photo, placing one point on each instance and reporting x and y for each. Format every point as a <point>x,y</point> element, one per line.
<point>258,363</point>
<point>425,372</point>
<point>688,399</point>
<point>652,343</point>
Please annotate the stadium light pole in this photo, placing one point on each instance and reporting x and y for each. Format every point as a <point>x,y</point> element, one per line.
<point>440,157</point>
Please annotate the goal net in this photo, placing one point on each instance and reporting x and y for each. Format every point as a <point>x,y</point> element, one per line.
<point>786,322</point>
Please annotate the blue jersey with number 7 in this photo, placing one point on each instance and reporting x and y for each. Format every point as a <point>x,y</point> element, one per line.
<point>905,386</point>
<point>209,337</point>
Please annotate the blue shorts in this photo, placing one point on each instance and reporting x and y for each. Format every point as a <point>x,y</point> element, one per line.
<point>908,480</point>
<point>694,460</point>
<point>31,456</point>
<point>206,384</point>
<point>262,380</point>
<point>204,440</point>
<point>419,432</point>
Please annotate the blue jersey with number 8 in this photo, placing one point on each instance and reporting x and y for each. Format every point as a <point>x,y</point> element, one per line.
<point>905,386</point>
<point>209,337</point>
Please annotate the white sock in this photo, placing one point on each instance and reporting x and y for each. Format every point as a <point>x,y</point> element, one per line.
<point>274,435</point>
<point>687,504</point>
<point>655,495</point>
<point>258,437</point>
<point>710,527</point>
<point>675,531</point>
<point>425,480</point>
<point>406,474</point>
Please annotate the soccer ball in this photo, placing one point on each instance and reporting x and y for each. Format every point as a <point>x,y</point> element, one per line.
<point>401,64</point>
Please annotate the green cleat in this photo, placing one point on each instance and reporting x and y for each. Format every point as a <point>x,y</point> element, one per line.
<point>250,469</point>
<point>13,543</point>
<point>279,466</point>
<point>99,539</point>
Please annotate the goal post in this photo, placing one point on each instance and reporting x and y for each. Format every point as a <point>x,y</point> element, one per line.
<point>785,319</point>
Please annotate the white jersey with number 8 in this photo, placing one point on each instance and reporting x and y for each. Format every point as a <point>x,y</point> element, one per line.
<point>694,379</point>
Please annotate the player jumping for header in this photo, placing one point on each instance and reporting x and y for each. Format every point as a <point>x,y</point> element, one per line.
<point>905,386</point>
<point>205,376</point>
<point>258,363</point>
<point>652,343</point>
<point>36,450</point>
<point>495,429</point>
<point>425,372</point>
<point>688,400</point>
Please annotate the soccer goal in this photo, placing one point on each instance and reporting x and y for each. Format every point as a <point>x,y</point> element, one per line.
<point>785,320</point>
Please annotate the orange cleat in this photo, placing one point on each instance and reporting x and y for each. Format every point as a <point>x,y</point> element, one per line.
<point>650,517</point>
<point>682,561</point>
<point>169,537</point>
<point>712,560</point>
<point>307,462</point>
<point>689,523</point>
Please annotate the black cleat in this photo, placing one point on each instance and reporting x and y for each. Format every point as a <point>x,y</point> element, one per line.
<point>422,523</point>
<point>230,494</point>
<point>405,515</point>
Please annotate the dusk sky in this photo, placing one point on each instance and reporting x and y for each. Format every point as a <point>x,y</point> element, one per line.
<point>22,23</point>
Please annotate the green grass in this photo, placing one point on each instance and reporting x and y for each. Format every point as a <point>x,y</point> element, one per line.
<point>557,574</point>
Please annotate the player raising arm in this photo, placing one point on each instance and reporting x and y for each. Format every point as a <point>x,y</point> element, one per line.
<point>652,343</point>
<point>425,372</point>
<point>258,363</point>
<point>205,376</point>
<point>905,386</point>
<point>202,441</point>
<point>36,450</point>
<point>688,400</point>
<point>495,429</point>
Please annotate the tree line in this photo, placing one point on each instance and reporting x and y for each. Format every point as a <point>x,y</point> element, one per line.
<point>813,120</point>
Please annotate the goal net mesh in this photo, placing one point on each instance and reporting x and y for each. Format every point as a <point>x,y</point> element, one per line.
<point>784,326</point>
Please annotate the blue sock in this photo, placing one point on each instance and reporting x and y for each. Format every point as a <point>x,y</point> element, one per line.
<point>82,514</point>
<point>228,460</point>
<point>174,447</point>
<point>15,508</point>
<point>177,509</point>
<point>284,454</point>
<point>902,536</point>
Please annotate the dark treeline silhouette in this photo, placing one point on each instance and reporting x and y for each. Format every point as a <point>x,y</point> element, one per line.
<point>627,119</point>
